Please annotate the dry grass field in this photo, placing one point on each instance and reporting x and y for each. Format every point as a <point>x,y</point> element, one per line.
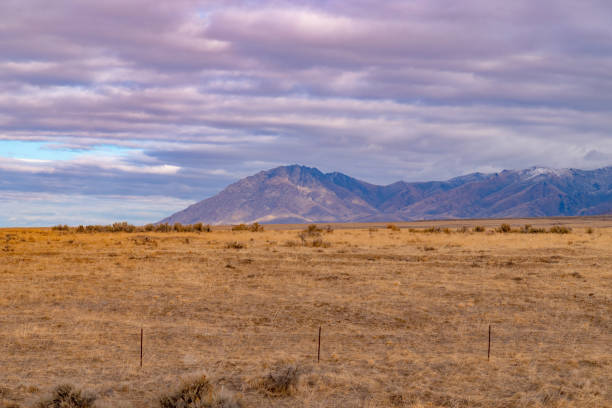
<point>404,316</point>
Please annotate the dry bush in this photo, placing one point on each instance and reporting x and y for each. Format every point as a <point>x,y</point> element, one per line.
<point>190,395</point>
<point>290,244</point>
<point>281,381</point>
<point>433,229</point>
<point>479,228</point>
<point>235,245</point>
<point>317,243</point>
<point>126,227</point>
<point>310,239</point>
<point>178,227</point>
<point>463,229</point>
<point>94,228</point>
<point>529,229</point>
<point>200,394</point>
<point>312,231</point>
<point>589,230</point>
<point>504,228</point>
<point>123,227</point>
<point>256,227</point>
<point>558,229</point>
<point>65,396</point>
<point>225,399</point>
<point>201,227</point>
<point>308,235</point>
<point>165,227</point>
<point>393,227</point>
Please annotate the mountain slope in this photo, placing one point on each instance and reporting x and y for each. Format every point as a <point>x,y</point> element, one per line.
<point>294,194</point>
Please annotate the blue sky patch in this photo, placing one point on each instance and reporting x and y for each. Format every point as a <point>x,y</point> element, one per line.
<point>17,149</point>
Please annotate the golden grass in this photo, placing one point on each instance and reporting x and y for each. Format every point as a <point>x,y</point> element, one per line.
<point>404,315</point>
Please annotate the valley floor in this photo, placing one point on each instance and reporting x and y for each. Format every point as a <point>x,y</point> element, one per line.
<point>404,316</point>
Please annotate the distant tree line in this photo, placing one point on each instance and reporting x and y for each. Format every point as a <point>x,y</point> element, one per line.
<point>163,227</point>
<point>127,227</point>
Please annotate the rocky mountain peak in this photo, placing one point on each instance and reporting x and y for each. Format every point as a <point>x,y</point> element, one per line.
<point>295,193</point>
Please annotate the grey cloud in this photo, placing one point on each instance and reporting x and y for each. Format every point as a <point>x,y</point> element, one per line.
<point>44,209</point>
<point>382,90</point>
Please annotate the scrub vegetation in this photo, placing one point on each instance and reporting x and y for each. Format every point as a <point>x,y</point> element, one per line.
<point>230,317</point>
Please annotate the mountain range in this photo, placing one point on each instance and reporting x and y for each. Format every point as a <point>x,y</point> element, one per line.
<point>300,194</point>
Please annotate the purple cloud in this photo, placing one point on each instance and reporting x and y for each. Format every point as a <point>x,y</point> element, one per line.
<point>204,92</point>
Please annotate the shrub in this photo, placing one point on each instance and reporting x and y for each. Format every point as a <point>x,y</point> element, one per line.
<point>122,227</point>
<point>235,245</point>
<point>201,227</point>
<point>433,229</point>
<point>200,394</point>
<point>187,228</point>
<point>282,380</point>
<point>224,399</point>
<point>529,229</point>
<point>165,227</point>
<point>504,228</point>
<point>462,229</point>
<point>589,230</point>
<point>310,232</point>
<point>255,227</point>
<point>126,227</point>
<point>393,227</point>
<point>318,243</point>
<point>190,395</point>
<point>479,228</point>
<point>558,229</point>
<point>313,230</point>
<point>65,396</point>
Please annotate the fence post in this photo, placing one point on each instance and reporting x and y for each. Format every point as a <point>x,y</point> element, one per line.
<point>141,332</point>
<point>319,348</point>
<point>489,349</point>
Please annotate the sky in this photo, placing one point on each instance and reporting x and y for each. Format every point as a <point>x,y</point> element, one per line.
<point>131,110</point>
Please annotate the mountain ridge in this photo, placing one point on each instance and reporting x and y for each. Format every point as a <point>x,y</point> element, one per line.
<point>301,194</point>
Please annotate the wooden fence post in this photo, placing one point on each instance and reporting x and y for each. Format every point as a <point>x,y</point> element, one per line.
<point>141,332</point>
<point>319,348</point>
<point>489,349</point>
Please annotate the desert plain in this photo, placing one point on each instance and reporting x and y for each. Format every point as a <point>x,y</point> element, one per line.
<point>404,312</point>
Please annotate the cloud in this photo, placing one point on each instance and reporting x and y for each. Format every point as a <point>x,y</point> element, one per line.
<point>201,93</point>
<point>48,209</point>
